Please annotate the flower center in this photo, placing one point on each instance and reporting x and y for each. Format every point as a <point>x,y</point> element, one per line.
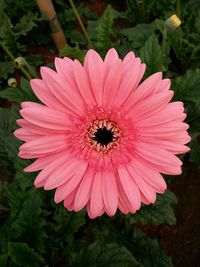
<point>103,135</point>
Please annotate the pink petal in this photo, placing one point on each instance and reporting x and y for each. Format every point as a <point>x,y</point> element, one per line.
<point>96,200</point>
<point>64,173</point>
<point>64,190</point>
<point>173,147</point>
<point>109,192</point>
<point>63,91</point>
<point>69,200</point>
<point>112,82</point>
<point>129,57</point>
<point>95,68</point>
<point>41,163</point>
<point>144,90</point>
<point>131,76</point>
<point>174,109</point>
<point>111,57</point>
<point>83,83</point>
<point>130,188</point>
<point>50,168</point>
<point>144,187</point>
<point>42,91</point>
<point>151,105</point>
<point>152,177</point>
<point>84,191</point>
<point>25,135</point>
<point>47,118</point>
<point>45,144</point>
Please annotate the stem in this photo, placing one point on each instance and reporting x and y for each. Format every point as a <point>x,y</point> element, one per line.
<point>7,51</point>
<point>28,76</point>
<point>80,22</point>
<point>163,47</point>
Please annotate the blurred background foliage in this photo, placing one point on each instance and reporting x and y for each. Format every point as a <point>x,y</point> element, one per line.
<point>33,230</point>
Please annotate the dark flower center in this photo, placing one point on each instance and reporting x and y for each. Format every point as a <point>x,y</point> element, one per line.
<point>103,136</point>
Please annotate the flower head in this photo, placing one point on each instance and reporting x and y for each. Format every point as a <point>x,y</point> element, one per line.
<point>102,137</point>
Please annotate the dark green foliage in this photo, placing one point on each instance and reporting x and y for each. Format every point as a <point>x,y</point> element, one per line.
<point>23,255</point>
<point>158,213</point>
<point>100,254</point>
<point>150,53</point>
<point>20,93</point>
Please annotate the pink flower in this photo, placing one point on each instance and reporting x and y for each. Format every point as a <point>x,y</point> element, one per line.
<point>102,138</point>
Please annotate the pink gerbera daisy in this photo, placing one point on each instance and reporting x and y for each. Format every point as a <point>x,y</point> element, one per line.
<point>102,138</point>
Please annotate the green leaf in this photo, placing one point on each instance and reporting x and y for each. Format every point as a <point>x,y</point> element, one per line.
<point>26,221</point>
<point>3,260</point>
<point>148,252</point>
<point>158,213</point>
<point>68,223</point>
<point>151,55</point>
<point>100,254</point>
<point>74,52</point>
<point>19,94</point>
<point>139,34</point>
<point>186,87</point>
<point>104,30</point>
<point>26,24</point>
<point>23,255</point>
<point>6,68</point>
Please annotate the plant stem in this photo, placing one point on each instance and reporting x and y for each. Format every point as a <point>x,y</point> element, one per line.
<point>163,47</point>
<point>24,71</point>
<point>80,22</point>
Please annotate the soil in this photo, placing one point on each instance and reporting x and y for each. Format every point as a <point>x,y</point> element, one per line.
<point>182,241</point>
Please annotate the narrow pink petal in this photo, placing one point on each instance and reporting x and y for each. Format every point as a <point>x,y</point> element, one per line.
<point>130,188</point>
<point>131,77</point>
<point>45,144</point>
<point>163,86</point>
<point>169,128</point>
<point>47,118</point>
<point>172,170</point>
<point>123,199</point>
<point>83,83</point>
<point>95,68</point>
<point>84,192</point>
<point>35,129</point>
<point>109,192</point>
<point>112,82</point>
<point>173,147</point>
<point>65,189</point>
<point>90,214</point>
<point>42,91</point>
<point>50,168</point>
<point>111,57</point>
<point>129,57</point>
<point>64,173</point>
<point>41,163</point>
<point>144,187</point>
<point>144,90</point>
<point>96,200</point>
<point>182,138</point>
<point>152,177</point>
<point>157,155</point>
<point>151,105</point>
<point>69,200</point>
<point>65,68</point>
<point>122,207</point>
<point>63,91</point>
<point>175,111</point>
<point>25,135</point>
